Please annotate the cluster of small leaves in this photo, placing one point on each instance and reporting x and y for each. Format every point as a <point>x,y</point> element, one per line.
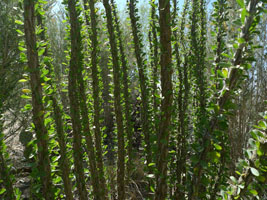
<point>250,178</point>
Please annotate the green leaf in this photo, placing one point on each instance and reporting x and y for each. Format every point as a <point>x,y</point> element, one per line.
<point>233,179</point>
<point>23,57</point>
<point>39,30</point>
<point>235,45</point>
<point>224,64</point>
<point>22,48</point>
<point>218,147</point>
<point>28,106</point>
<point>261,179</point>
<point>57,179</point>
<point>46,59</point>
<point>152,189</point>
<point>20,32</point>
<point>26,90</point>
<point>241,40</point>
<point>46,79</point>
<point>226,55</point>
<point>225,72</point>
<point>45,72</point>
<point>47,120</point>
<point>41,51</point>
<point>254,171</point>
<point>254,135</point>
<point>22,80</point>
<point>254,192</point>
<point>19,22</point>
<point>41,12</point>
<point>244,13</point>
<point>2,190</point>
<point>248,153</point>
<point>172,151</point>
<point>218,154</point>
<point>259,152</point>
<point>237,172</point>
<point>241,3</point>
<point>151,164</point>
<point>25,96</point>
<point>262,124</point>
<point>18,194</point>
<point>42,2</point>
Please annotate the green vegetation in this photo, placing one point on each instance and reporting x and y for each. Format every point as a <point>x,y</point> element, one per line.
<point>158,101</point>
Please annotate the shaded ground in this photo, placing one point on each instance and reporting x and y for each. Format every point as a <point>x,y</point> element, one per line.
<point>20,168</point>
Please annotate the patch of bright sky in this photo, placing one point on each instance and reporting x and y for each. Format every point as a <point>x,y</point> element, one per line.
<point>121,4</point>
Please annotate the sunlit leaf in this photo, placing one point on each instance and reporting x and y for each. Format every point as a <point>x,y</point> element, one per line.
<point>20,32</point>
<point>26,90</point>
<point>22,48</point>
<point>2,191</point>
<point>241,3</point>
<point>41,51</point>
<point>22,80</point>
<point>218,147</point>
<point>254,171</point>
<point>254,192</point>
<point>19,22</point>
<point>150,176</point>
<point>225,72</point>
<point>25,96</point>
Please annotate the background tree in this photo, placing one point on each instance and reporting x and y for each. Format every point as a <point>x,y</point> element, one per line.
<point>38,107</point>
<point>142,72</point>
<point>126,95</point>
<point>166,103</point>
<point>57,112</point>
<point>117,101</point>
<point>76,97</point>
<point>96,96</point>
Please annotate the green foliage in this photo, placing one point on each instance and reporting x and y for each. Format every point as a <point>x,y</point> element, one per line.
<point>218,76</point>
<point>250,177</point>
